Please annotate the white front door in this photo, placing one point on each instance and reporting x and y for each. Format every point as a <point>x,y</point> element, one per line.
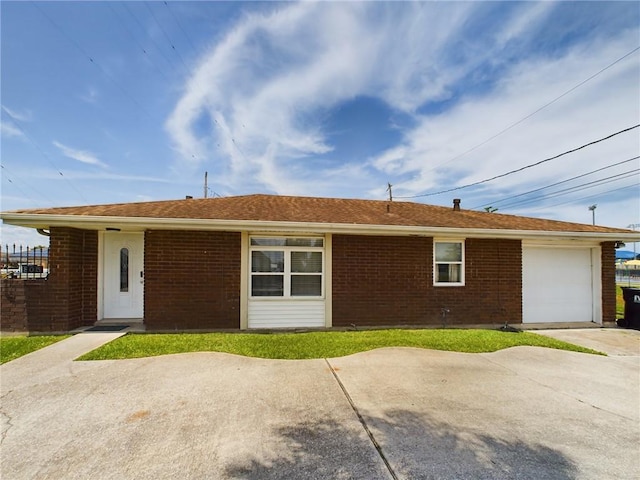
<point>123,281</point>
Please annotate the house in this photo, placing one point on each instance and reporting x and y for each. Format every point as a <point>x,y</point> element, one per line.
<point>265,261</point>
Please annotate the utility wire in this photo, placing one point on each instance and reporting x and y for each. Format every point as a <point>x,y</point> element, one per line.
<point>497,202</point>
<point>13,174</point>
<point>577,188</point>
<point>46,156</point>
<point>122,23</point>
<point>537,110</point>
<point>184,32</point>
<point>173,47</point>
<point>91,59</point>
<point>597,195</point>
<point>142,27</point>
<point>15,185</point>
<point>511,172</point>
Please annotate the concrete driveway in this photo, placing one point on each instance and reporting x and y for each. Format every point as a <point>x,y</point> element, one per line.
<point>525,412</point>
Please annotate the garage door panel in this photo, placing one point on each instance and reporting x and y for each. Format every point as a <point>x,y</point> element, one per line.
<point>557,285</point>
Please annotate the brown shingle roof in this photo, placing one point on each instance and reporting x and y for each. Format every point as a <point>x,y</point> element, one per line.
<point>320,210</point>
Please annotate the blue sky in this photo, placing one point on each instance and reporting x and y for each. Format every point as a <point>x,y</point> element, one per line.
<point>108,102</point>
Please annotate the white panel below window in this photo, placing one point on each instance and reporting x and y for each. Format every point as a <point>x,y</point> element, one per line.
<point>286,313</point>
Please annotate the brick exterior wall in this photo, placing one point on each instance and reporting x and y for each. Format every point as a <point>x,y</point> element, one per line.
<point>13,305</point>
<point>192,280</point>
<point>380,280</point>
<point>67,299</point>
<point>608,279</point>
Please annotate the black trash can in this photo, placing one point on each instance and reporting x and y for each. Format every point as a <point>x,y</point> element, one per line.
<point>631,298</point>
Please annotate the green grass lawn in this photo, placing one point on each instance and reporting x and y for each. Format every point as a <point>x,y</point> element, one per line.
<point>320,344</point>
<point>619,302</point>
<point>14,347</point>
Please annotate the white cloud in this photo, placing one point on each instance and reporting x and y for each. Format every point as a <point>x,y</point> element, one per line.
<point>10,130</point>
<point>82,156</point>
<point>271,71</point>
<point>434,151</point>
<point>24,116</point>
<point>251,105</point>
<point>27,237</point>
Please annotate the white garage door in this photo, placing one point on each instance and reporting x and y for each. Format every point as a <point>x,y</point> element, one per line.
<point>557,285</point>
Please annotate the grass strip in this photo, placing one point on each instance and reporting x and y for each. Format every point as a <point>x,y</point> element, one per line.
<point>619,302</point>
<point>15,347</point>
<point>321,344</point>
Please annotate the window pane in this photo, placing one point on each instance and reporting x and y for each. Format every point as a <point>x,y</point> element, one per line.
<point>306,262</point>
<point>267,285</point>
<point>268,242</point>
<point>447,272</point>
<point>267,261</point>
<point>306,285</point>
<point>124,270</point>
<point>448,252</point>
<point>304,242</point>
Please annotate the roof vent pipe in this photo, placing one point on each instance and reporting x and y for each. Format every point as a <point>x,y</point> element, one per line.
<point>456,204</point>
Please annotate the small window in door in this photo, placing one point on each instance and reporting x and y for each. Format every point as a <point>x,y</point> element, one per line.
<point>124,270</point>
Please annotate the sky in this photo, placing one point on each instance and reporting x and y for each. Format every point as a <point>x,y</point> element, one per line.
<point>111,102</point>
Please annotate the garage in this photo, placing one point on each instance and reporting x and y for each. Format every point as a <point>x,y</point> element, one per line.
<point>560,284</point>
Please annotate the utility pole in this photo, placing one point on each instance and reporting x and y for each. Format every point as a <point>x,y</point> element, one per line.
<point>206,187</point>
<point>389,190</point>
<point>593,212</point>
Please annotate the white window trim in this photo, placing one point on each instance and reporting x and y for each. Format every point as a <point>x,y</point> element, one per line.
<point>287,268</point>
<point>462,264</point>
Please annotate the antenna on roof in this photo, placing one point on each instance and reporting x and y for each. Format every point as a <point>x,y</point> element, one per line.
<point>389,190</point>
<point>206,187</point>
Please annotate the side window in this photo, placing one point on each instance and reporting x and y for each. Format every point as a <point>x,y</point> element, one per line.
<point>448,263</point>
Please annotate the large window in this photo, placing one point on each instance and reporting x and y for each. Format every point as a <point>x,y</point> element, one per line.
<point>448,263</point>
<point>286,266</point>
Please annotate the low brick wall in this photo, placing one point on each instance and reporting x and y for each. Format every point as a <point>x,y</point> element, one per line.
<point>25,306</point>
<point>67,299</point>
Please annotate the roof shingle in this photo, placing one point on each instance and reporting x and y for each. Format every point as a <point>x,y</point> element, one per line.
<point>276,208</point>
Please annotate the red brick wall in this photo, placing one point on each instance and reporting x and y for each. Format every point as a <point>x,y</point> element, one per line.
<point>64,301</point>
<point>73,256</point>
<point>13,305</point>
<point>192,280</point>
<point>383,280</point>
<point>608,279</point>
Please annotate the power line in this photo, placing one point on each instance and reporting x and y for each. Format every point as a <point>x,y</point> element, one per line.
<point>173,47</point>
<point>538,110</point>
<point>3,167</point>
<point>496,202</point>
<point>577,188</point>
<point>184,32</point>
<point>511,172</point>
<point>589,197</point>
<point>122,23</point>
<point>46,156</point>
<point>92,60</point>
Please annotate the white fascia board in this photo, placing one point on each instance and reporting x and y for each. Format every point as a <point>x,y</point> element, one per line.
<point>255,226</point>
